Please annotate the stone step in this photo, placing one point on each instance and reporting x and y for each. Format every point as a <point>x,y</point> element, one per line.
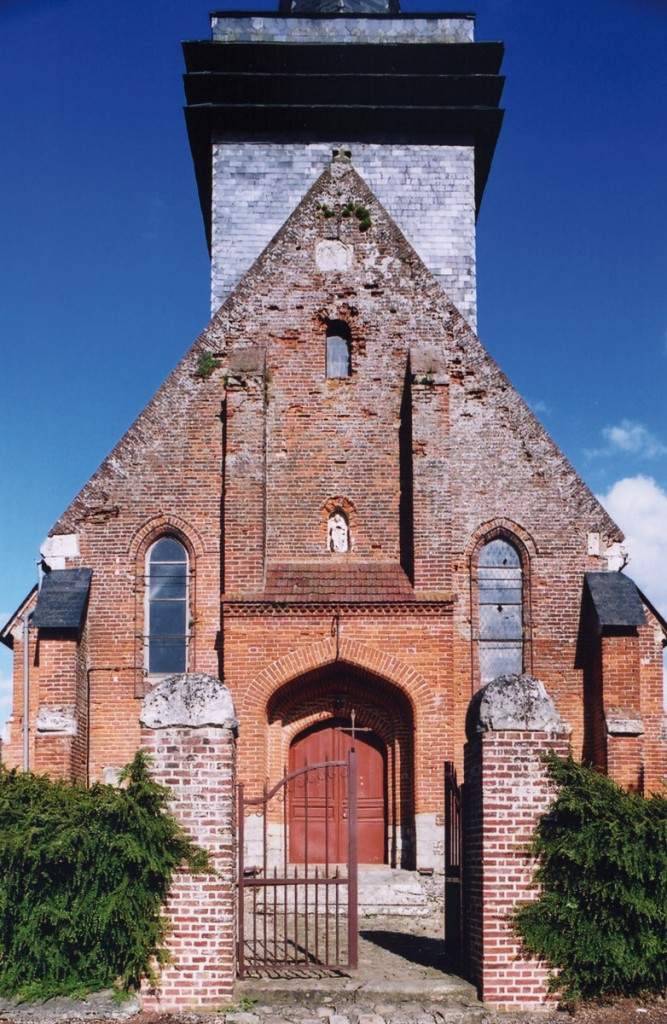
<point>383,891</point>
<point>393,891</point>
<point>444,991</point>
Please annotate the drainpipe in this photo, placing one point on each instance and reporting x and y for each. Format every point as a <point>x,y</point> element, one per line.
<point>42,568</point>
<point>26,692</point>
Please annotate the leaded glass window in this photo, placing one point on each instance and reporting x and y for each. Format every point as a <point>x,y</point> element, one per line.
<point>500,590</point>
<point>167,607</point>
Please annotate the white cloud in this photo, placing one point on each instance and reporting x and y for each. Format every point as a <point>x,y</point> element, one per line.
<point>629,438</point>
<point>633,437</point>
<point>539,407</point>
<point>639,505</point>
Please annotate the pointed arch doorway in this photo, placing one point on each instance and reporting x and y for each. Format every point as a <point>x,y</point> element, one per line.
<point>327,796</point>
<point>311,718</point>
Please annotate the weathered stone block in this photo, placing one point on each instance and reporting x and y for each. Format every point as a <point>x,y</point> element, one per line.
<point>189,700</point>
<point>514,702</point>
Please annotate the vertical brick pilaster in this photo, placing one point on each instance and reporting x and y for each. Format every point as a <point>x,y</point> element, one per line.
<point>654,715</point>
<point>506,792</point>
<point>57,751</point>
<point>431,509</point>
<point>244,483</point>
<point>188,728</point>
<point>620,663</point>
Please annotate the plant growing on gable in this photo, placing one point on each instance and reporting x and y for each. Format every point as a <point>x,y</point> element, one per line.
<point>601,918</point>
<point>361,212</point>
<point>206,365</point>
<point>84,874</point>
<point>352,208</point>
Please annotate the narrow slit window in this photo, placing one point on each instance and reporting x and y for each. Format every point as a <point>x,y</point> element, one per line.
<point>167,607</point>
<point>338,351</point>
<point>500,592</point>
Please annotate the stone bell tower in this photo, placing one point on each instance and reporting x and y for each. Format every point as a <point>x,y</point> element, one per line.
<point>412,96</point>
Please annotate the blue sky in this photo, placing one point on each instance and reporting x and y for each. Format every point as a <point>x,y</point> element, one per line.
<point>104,268</point>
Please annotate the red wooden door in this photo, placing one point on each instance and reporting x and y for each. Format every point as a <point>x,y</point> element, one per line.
<point>326,836</point>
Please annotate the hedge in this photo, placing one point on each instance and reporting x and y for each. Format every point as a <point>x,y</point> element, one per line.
<point>601,919</point>
<point>84,873</point>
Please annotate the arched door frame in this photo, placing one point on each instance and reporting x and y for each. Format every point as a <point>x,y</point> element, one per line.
<point>380,706</point>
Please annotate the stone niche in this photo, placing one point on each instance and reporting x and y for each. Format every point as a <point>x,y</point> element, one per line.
<point>338,533</point>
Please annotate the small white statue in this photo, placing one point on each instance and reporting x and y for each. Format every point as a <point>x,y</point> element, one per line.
<point>338,534</point>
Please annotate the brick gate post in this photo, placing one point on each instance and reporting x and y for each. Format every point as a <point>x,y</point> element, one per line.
<point>188,726</point>
<point>511,723</point>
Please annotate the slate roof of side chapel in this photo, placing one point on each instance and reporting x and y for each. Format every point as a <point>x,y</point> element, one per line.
<point>428,291</point>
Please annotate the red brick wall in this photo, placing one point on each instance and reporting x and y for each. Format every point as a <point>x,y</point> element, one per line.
<point>654,716</point>
<point>54,756</point>
<point>624,680</point>
<point>506,791</point>
<point>264,654</point>
<point>57,755</point>
<point>620,670</point>
<point>242,465</point>
<point>198,766</point>
<point>620,689</point>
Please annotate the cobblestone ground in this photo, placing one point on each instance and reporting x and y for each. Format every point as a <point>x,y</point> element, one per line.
<point>389,947</point>
<point>402,979</point>
<point>402,948</point>
<point>625,1012</point>
<point>329,1011</point>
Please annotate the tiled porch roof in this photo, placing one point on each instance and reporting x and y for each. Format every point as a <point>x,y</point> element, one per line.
<point>338,582</point>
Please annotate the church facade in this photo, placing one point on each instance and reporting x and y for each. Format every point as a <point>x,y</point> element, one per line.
<point>337,503</point>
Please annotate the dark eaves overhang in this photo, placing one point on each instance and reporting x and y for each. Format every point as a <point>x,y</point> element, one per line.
<point>657,615</point>
<point>6,631</point>
<point>378,15</point>
<point>419,93</point>
<point>62,600</point>
<point>616,600</point>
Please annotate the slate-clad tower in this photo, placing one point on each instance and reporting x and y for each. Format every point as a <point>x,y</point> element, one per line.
<point>412,96</point>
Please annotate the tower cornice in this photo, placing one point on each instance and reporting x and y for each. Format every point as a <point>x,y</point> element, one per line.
<point>403,89</point>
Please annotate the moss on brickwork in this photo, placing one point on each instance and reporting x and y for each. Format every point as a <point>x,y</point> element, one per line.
<point>206,365</point>
<point>352,208</point>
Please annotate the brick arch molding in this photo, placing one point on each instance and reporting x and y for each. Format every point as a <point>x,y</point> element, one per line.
<point>501,527</point>
<point>163,523</point>
<point>326,652</point>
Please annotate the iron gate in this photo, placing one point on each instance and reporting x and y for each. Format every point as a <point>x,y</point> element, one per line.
<point>453,868</point>
<point>296,918</point>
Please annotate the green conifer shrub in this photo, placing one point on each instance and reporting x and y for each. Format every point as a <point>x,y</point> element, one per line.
<point>84,874</point>
<point>601,919</point>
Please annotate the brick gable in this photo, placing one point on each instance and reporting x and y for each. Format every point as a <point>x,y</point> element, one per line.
<point>395,308</point>
<point>425,447</point>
